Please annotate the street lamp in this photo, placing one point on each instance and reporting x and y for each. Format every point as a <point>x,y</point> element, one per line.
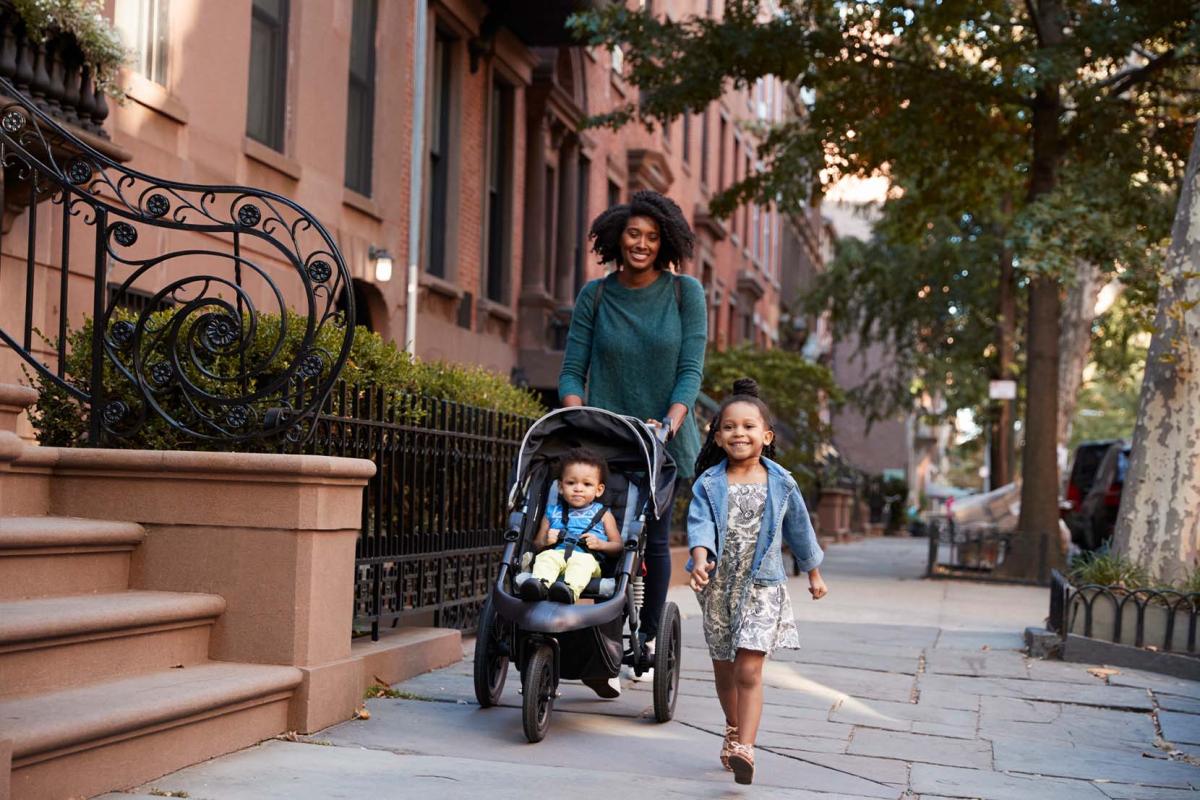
<point>383,263</point>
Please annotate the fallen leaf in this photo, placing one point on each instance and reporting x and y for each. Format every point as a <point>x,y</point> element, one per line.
<point>985,647</point>
<point>362,713</point>
<point>1103,672</point>
<point>1152,648</point>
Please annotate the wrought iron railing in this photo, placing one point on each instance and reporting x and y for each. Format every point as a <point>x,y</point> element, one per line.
<point>1165,619</point>
<point>217,256</point>
<point>433,516</point>
<point>965,550</point>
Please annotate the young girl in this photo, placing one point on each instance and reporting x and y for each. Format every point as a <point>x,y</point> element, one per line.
<point>743,506</point>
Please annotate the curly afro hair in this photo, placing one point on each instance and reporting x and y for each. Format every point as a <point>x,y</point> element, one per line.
<point>676,240</point>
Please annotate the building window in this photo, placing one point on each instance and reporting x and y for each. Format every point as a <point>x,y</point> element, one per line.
<point>745,210</point>
<point>704,122</point>
<point>581,222</point>
<point>752,238</point>
<point>268,72</point>
<point>687,137</point>
<point>439,154</point>
<point>721,144</point>
<point>618,60</point>
<point>614,194</point>
<point>706,280</point>
<point>152,39</point>
<point>500,180</point>
<point>360,105</point>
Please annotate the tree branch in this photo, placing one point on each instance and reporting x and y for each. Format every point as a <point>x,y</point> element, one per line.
<point>1126,79</point>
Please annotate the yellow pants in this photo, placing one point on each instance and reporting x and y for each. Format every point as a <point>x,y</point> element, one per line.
<point>575,571</point>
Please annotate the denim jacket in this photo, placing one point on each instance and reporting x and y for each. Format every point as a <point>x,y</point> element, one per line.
<point>784,514</point>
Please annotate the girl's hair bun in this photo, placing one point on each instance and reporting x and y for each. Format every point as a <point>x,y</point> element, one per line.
<point>746,386</point>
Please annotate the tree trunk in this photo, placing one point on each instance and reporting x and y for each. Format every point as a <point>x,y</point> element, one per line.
<point>1159,524</point>
<point>1036,549</point>
<point>1000,457</point>
<point>1075,343</point>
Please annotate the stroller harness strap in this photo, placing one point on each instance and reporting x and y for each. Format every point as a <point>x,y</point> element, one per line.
<point>571,541</point>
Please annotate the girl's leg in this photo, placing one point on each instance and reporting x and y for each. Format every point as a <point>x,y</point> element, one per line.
<point>747,675</point>
<point>658,572</point>
<point>726,690</point>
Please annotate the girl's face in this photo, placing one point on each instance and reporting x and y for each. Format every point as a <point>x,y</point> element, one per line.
<point>743,432</point>
<point>640,243</point>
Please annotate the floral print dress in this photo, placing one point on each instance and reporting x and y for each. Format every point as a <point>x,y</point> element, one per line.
<point>738,614</point>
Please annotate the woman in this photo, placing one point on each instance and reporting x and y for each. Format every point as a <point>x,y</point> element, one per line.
<point>640,350</point>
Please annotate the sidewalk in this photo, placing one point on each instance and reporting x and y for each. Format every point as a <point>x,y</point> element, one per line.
<point>905,688</point>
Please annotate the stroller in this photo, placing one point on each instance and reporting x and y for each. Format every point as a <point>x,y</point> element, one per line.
<point>551,641</point>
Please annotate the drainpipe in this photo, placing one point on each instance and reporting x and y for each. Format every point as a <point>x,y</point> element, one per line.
<point>416,189</point>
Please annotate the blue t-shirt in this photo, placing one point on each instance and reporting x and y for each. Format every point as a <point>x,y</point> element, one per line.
<point>577,523</point>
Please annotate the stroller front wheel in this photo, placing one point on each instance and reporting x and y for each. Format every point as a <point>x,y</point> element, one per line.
<point>491,659</point>
<point>538,693</point>
<point>667,657</point>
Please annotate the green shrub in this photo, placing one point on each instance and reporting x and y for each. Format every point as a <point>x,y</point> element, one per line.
<point>1108,569</point>
<point>373,364</point>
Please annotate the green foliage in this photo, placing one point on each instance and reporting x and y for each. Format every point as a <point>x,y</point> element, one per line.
<point>942,98</point>
<point>373,364</point>
<point>101,45</point>
<point>794,388</point>
<point>1108,569</point>
<point>1108,400</point>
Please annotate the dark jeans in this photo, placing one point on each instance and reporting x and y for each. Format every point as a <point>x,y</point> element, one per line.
<point>658,570</point>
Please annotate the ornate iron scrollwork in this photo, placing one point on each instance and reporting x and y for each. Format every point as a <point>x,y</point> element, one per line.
<point>200,355</point>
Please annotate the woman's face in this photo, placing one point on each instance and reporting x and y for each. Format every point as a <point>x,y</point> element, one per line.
<point>640,243</point>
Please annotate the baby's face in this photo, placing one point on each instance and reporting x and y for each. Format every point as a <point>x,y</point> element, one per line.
<point>580,484</point>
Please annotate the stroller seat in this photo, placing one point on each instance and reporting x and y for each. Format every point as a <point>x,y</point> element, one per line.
<point>617,494</point>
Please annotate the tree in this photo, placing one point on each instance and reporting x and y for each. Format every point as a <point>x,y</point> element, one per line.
<point>1039,105</point>
<point>1159,524</point>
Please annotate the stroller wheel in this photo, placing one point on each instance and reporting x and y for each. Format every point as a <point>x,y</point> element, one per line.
<point>538,694</point>
<point>667,657</point>
<point>491,657</point>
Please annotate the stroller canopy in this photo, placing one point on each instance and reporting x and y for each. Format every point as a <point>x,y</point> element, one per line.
<point>626,443</point>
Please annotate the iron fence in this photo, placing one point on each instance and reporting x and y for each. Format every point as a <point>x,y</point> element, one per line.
<point>1165,619</point>
<point>433,516</point>
<point>979,550</point>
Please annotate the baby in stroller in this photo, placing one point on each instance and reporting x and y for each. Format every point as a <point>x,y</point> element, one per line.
<point>574,530</point>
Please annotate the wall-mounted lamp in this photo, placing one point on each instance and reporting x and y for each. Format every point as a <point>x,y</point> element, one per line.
<point>383,263</point>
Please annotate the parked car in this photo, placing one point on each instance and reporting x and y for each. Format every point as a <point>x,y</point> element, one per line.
<point>1088,456</point>
<point>1098,511</point>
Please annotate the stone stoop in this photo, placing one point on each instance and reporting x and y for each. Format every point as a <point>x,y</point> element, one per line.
<point>103,687</point>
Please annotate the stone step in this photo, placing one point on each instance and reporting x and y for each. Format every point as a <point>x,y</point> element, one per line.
<point>50,642</point>
<point>41,556</point>
<point>110,735</point>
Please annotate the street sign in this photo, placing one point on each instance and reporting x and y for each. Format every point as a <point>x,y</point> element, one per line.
<point>1002,390</point>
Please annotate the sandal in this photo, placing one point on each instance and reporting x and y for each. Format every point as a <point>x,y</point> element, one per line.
<point>730,738</point>
<point>741,761</point>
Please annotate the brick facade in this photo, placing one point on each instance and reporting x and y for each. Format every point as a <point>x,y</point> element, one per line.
<point>557,177</point>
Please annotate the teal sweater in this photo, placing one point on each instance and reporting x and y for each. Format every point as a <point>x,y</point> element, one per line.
<point>640,353</point>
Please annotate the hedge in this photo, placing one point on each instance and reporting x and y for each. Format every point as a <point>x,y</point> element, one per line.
<point>60,420</point>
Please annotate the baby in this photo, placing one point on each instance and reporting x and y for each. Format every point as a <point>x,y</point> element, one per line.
<point>572,530</point>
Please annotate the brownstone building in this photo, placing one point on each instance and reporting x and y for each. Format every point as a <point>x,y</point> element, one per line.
<point>319,101</point>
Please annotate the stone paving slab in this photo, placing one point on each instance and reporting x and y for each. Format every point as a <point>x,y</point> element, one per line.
<point>1180,728</point>
<point>937,781</point>
<point>576,740</point>
<point>296,771</point>
<point>1082,694</point>
<point>899,716</point>
<point>956,700</point>
<point>1172,703</point>
<point>1160,684</point>
<point>881,770</point>
<point>1121,791</point>
<point>977,663</point>
<point>977,640</point>
<point>1092,763</point>
<point>919,748</point>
